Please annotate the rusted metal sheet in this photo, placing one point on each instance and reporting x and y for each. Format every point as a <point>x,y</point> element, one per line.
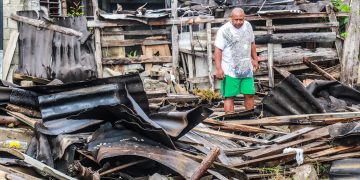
<point>172,159</point>
<point>52,55</point>
<point>63,141</point>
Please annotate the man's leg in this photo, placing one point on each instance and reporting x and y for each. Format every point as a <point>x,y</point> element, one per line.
<point>249,101</point>
<point>229,105</point>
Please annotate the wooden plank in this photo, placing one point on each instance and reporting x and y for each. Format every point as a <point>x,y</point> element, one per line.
<point>231,136</point>
<point>299,26</point>
<point>140,60</point>
<point>196,20</point>
<point>331,151</point>
<point>297,119</point>
<point>140,32</point>
<point>311,136</point>
<point>9,53</point>
<point>209,55</point>
<point>270,51</point>
<point>43,24</point>
<point>334,157</point>
<point>132,42</point>
<point>283,157</point>
<point>243,128</point>
<point>292,135</point>
<point>64,8</point>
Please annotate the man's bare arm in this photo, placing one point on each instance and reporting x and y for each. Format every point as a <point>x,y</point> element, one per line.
<point>219,70</point>
<point>255,58</point>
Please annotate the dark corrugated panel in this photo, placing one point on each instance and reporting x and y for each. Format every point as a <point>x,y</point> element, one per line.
<point>346,134</point>
<point>345,169</point>
<point>289,97</point>
<point>52,55</point>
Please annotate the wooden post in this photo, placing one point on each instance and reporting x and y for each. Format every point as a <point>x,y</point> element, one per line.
<point>349,63</point>
<point>333,19</point>
<point>63,8</point>
<point>270,56</point>
<point>209,55</point>
<point>205,164</point>
<point>9,53</point>
<point>98,53</point>
<point>191,59</point>
<point>175,40</point>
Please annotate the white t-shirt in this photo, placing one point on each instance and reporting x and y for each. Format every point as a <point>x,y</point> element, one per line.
<point>236,49</point>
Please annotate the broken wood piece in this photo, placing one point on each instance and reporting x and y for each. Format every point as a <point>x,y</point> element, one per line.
<point>295,37</point>
<point>292,135</point>
<point>43,24</point>
<point>15,174</point>
<point>22,110</point>
<point>122,167</point>
<point>7,120</point>
<point>9,53</point>
<point>299,26</point>
<point>18,76</point>
<point>231,136</point>
<point>205,164</point>
<point>243,128</point>
<point>318,69</point>
<point>27,120</point>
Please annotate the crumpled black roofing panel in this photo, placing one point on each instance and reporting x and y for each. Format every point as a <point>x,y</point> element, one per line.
<point>345,134</point>
<point>289,97</point>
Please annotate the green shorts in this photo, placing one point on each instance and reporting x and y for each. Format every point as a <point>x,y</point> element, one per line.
<point>231,87</point>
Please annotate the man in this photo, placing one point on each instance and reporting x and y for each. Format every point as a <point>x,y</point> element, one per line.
<point>236,60</point>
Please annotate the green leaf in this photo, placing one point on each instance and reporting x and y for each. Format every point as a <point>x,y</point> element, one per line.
<point>345,8</point>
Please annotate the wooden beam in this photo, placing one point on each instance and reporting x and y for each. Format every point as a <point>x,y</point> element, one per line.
<point>43,24</point>
<point>299,26</point>
<point>270,51</point>
<point>175,40</point>
<point>64,8</point>
<point>334,157</point>
<point>243,128</point>
<point>19,76</point>
<point>140,60</point>
<point>140,32</point>
<point>131,42</point>
<point>292,135</point>
<point>196,20</point>
<point>318,69</point>
<point>98,50</point>
<point>9,53</point>
<point>209,55</point>
<point>333,150</point>
<point>338,41</point>
<point>281,38</point>
<point>231,136</point>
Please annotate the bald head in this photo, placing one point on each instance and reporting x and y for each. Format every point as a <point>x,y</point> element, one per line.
<point>237,11</point>
<point>237,17</point>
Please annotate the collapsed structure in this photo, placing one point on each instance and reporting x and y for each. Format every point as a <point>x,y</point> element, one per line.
<point>129,93</point>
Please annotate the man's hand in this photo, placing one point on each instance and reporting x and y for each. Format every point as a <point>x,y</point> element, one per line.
<point>219,73</point>
<point>255,64</point>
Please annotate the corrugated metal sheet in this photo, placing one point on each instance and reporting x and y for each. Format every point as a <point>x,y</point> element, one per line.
<point>346,134</point>
<point>289,97</point>
<point>52,55</point>
<point>345,169</point>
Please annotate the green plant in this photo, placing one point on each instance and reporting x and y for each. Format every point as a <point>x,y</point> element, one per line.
<point>132,54</point>
<point>343,21</point>
<point>76,9</point>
